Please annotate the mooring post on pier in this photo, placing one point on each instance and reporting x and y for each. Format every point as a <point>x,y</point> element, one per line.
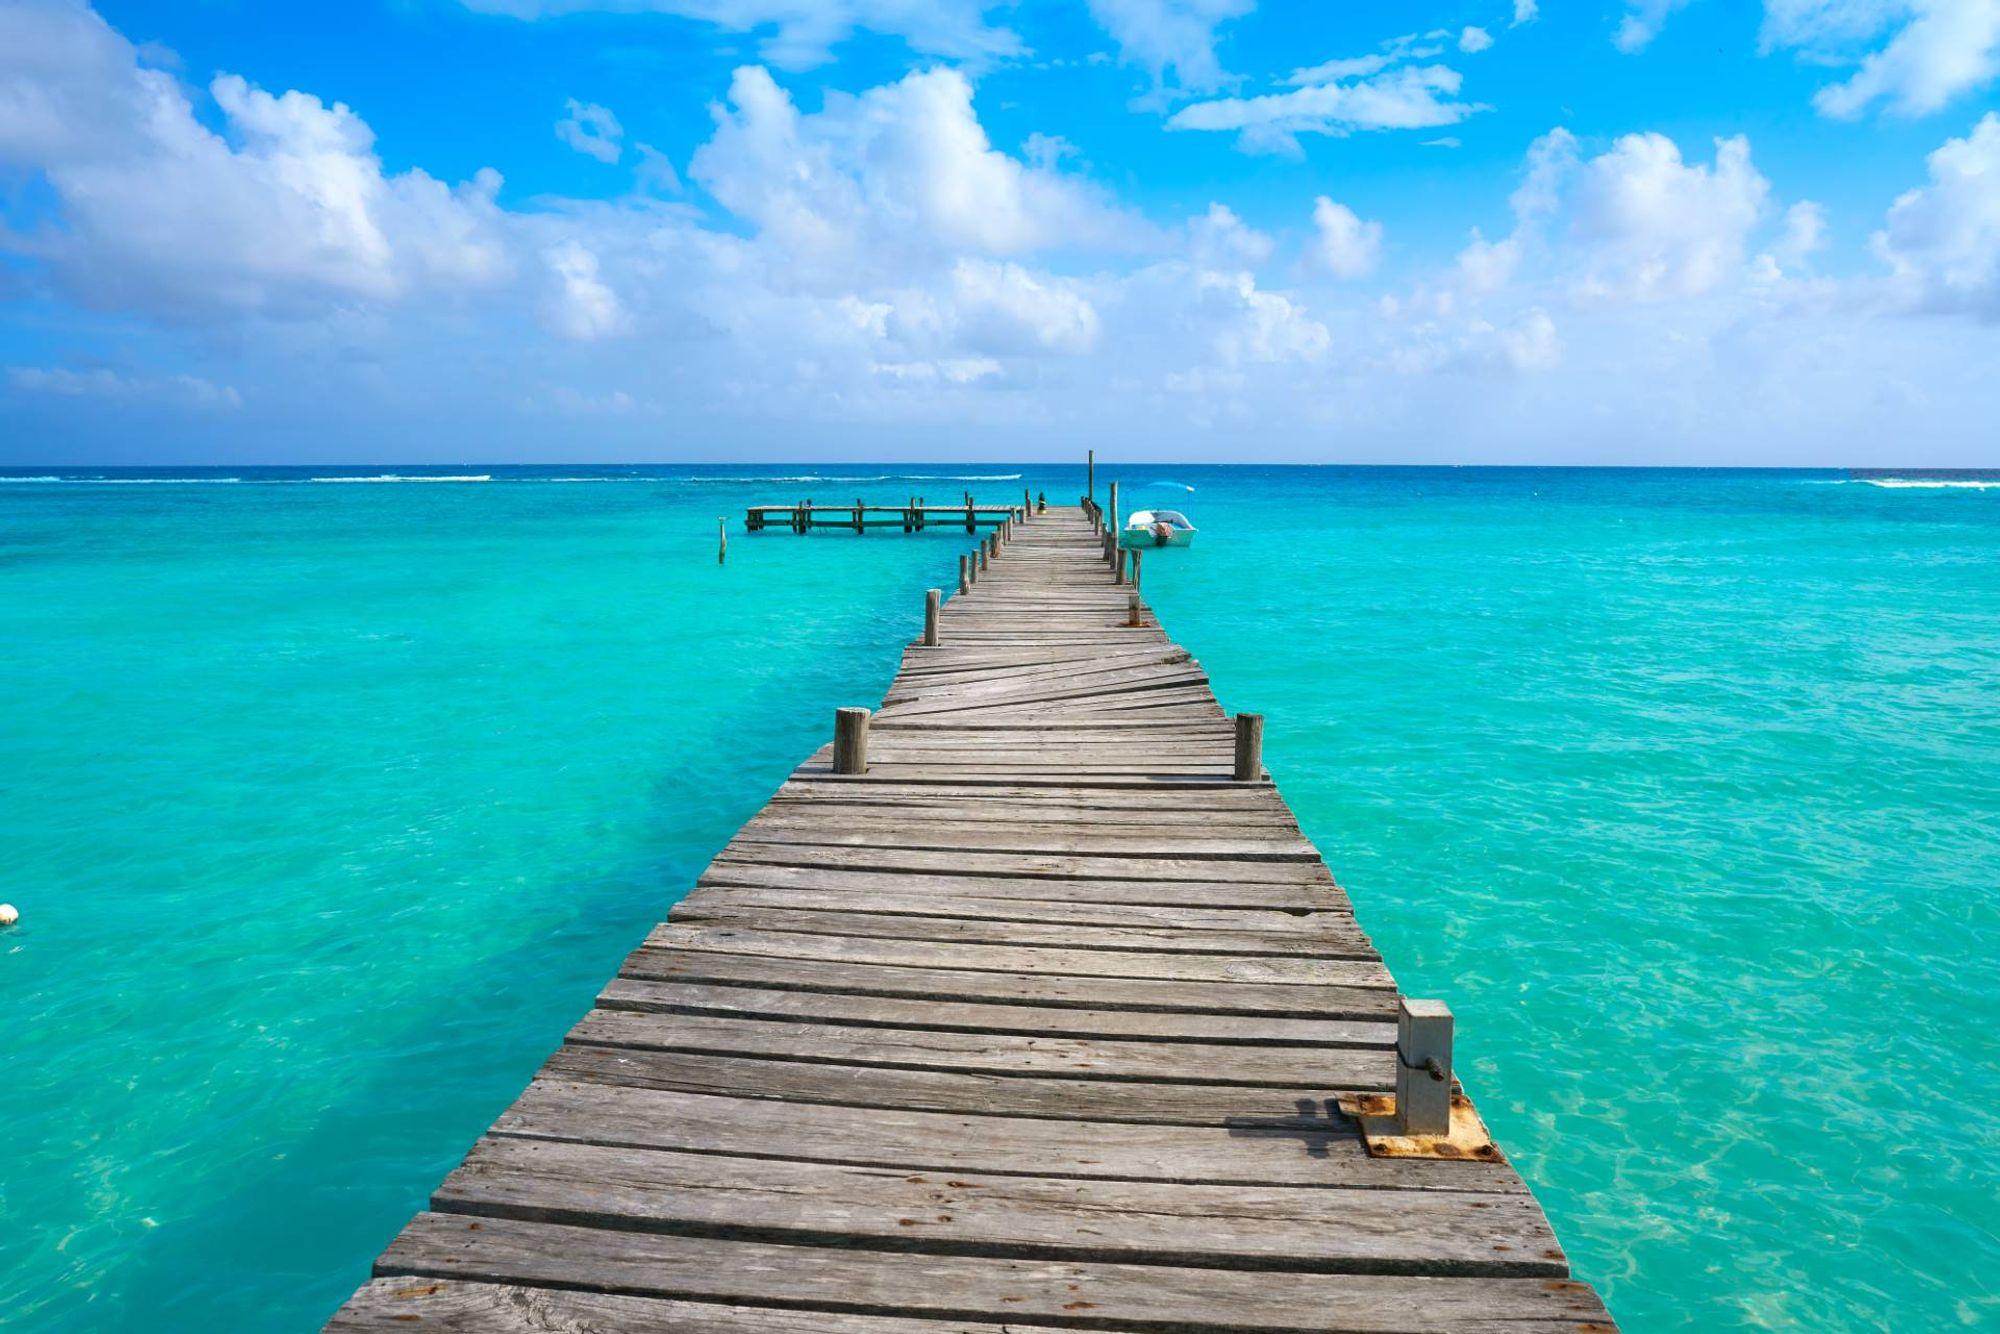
<point>964,574</point>
<point>1423,1067</point>
<point>1249,747</point>
<point>1136,553</point>
<point>1117,562</point>
<point>982,557</point>
<point>1111,517</point>
<point>850,741</point>
<point>932,596</point>
<point>1090,474</point>
<point>722,535</point>
<point>1133,616</point>
<point>1027,505</point>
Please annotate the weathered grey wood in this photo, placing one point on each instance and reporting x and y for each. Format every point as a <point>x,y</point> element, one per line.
<point>1298,929</point>
<point>1017,1009</point>
<point>871,1282</point>
<point>1327,943</point>
<point>1331,1069</point>
<point>1226,1107</point>
<point>1423,1067</point>
<point>1249,747</point>
<point>1022,865</point>
<point>850,741</point>
<point>637,992</point>
<point>919,1141</point>
<point>395,1305</point>
<point>1338,972</point>
<point>1011,988</point>
<point>960,1213</point>
<point>1300,898</point>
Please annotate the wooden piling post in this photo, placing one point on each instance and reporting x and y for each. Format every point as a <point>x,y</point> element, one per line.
<point>1090,473</point>
<point>1136,553</point>
<point>920,514</point>
<point>932,596</point>
<point>971,523</point>
<point>857,515</point>
<point>1423,1067</point>
<point>1249,747</point>
<point>964,575</point>
<point>722,537</point>
<point>982,557</point>
<point>1027,505</point>
<point>1117,562</point>
<point>1111,522</point>
<point>850,741</point>
<point>1133,615</point>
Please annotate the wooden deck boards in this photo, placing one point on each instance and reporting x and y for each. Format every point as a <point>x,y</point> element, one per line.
<point>1037,1024</point>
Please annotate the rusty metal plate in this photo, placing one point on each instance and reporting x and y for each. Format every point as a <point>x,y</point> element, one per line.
<point>1468,1139</point>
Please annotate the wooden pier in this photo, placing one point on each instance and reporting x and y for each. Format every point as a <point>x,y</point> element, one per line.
<point>914,517</point>
<point>1037,1021</point>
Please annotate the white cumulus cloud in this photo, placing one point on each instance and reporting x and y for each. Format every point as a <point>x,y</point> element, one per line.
<point>591,130</point>
<point>1343,245</point>
<point>1660,226</point>
<point>582,306</point>
<point>292,210</point>
<point>1221,240</point>
<point>1943,239</point>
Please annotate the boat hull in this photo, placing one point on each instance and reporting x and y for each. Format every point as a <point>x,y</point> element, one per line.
<point>1144,539</point>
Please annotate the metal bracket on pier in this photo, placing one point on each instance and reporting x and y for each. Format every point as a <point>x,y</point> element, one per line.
<point>1428,1116</point>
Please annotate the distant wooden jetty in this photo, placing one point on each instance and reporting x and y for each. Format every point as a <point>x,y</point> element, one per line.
<point>914,517</point>
<point>1025,1004</point>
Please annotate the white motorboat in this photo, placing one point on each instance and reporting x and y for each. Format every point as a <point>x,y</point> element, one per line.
<point>1156,528</point>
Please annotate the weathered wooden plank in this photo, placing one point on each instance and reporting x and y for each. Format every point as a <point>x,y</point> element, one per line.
<point>1216,1105</point>
<point>1160,893</point>
<point>1142,995</point>
<point>1327,942</point>
<point>1329,1069</point>
<point>611,1114</point>
<point>1242,1225</point>
<point>1186,842</point>
<point>639,993</point>
<point>1060,866</point>
<point>1299,926</point>
<point>871,1282</point>
<point>1002,958</point>
<point>394,1305</point>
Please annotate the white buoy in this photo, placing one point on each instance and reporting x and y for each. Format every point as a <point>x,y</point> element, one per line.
<point>9,914</point>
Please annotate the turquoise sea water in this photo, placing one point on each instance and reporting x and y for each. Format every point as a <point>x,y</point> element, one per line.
<point>329,806</point>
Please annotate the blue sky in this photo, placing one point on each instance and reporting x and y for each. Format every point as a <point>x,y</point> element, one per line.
<point>1585,231</point>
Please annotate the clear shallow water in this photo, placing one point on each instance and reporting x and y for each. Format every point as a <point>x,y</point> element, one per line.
<point>329,806</point>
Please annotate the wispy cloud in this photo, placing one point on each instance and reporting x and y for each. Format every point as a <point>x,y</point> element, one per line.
<point>181,390</point>
<point>1172,40</point>
<point>1408,97</point>
<point>591,130</point>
